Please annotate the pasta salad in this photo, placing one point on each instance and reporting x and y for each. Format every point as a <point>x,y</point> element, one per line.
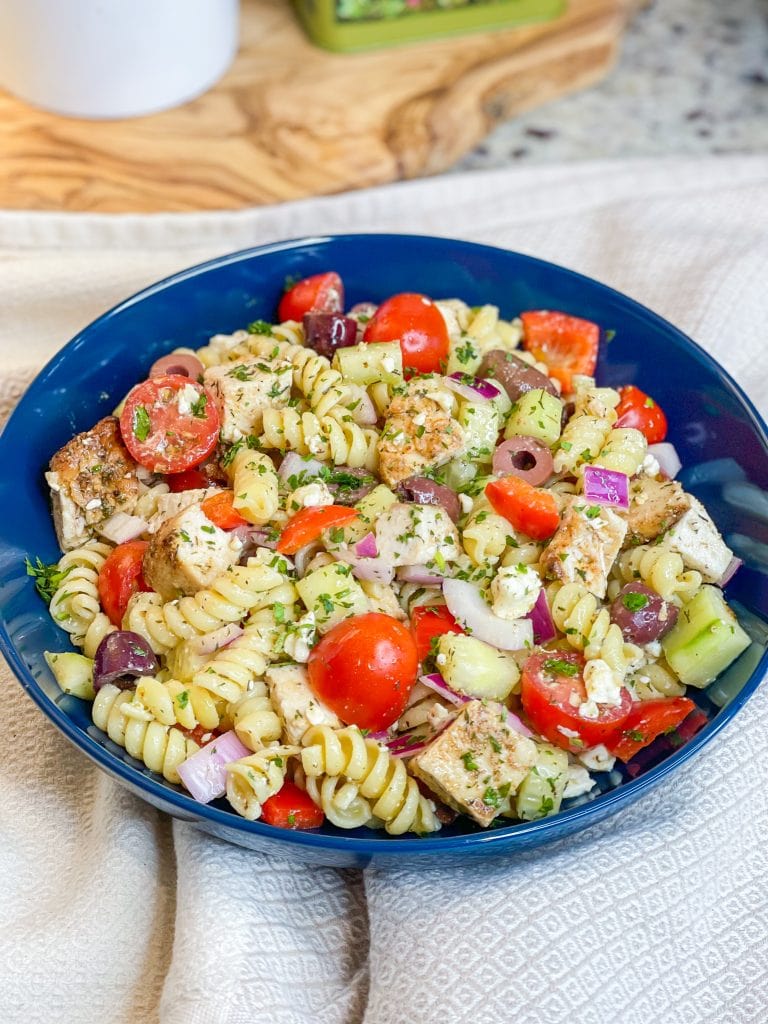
<point>386,567</point>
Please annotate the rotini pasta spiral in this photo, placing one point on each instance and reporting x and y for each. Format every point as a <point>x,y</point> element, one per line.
<point>660,569</point>
<point>175,703</point>
<point>623,451</point>
<point>75,603</point>
<point>339,801</point>
<point>254,718</point>
<point>653,680</point>
<point>379,776</point>
<point>485,533</point>
<point>148,504</point>
<point>254,779</point>
<point>336,437</point>
<point>98,629</point>
<point>588,628</point>
<point>160,747</point>
<point>228,674</point>
<point>255,485</point>
<point>229,599</point>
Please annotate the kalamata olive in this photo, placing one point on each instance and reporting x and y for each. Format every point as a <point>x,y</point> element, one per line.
<point>422,491</point>
<point>641,615</point>
<point>181,363</point>
<point>524,456</point>
<point>349,485</point>
<point>514,374</point>
<point>325,332</point>
<point>120,658</point>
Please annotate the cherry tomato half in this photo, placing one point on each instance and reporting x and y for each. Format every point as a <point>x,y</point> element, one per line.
<point>567,344</point>
<point>429,621</point>
<point>417,323</point>
<point>189,480</point>
<point>638,410</point>
<point>364,670</point>
<point>529,509</point>
<point>323,293</point>
<point>291,807</point>
<point>308,524</point>
<point>120,578</point>
<point>165,430</point>
<point>552,681</point>
<point>647,720</point>
<point>220,510</point>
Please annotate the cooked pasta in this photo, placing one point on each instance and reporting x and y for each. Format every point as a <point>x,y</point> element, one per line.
<point>336,437</point>
<point>255,484</point>
<point>75,604</point>
<point>624,451</point>
<point>253,780</point>
<point>661,569</point>
<point>587,627</point>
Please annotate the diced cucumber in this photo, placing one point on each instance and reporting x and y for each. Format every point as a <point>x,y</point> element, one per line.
<point>475,668</point>
<point>536,414</point>
<point>481,421</point>
<point>458,473</point>
<point>465,356</point>
<point>367,363</point>
<point>333,594</point>
<point>705,640</point>
<point>371,507</point>
<point>73,672</point>
<point>541,791</point>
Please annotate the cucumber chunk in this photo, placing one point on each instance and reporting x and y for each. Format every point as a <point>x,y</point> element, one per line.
<point>73,672</point>
<point>541,791</point>
<point>705,640</point>
<point>536,414</point>
<point>475,668</point>
<point>333,594</point>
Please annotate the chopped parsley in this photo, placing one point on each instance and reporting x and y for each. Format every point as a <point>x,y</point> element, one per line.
<point>466,352</point>
<point>633,602</point>
<point>468,760</point>
<point>491,797</point>
<point>48,578</point>
<point>198,407</point>
<point>336,534</point>
<point>141,423</point>
<point>279,610</point>
<point>592,512</point>
<point>559,667</point>
<point>182,699</point>
<point>208,529</point>
<point>259,327</point>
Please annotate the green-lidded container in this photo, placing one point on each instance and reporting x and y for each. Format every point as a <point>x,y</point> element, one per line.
<point>346,25</point>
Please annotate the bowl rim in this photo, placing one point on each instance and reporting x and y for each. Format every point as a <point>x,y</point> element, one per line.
<point>502,839</point>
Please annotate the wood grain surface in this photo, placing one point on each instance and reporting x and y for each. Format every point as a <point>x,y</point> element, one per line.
<point>290,120</point>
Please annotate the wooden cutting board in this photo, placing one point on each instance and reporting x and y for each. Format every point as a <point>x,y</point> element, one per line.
<point>290,120</point>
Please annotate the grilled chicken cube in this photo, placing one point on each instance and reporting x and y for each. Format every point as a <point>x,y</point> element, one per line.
<point>477,764</point>
<point>584,546</point>
<point>188,553</point>
<point>411,534</point>
<point>298,707</point>
<point>698,542</point>
<point>91,478</point>
<point>420,431</point>
<point>244,390</point>
<point>654,506</point>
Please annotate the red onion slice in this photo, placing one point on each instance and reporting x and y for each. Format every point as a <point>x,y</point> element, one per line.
<point>437,684</point>
<point>204,774</point>
<point>376,570</point>
<point>366,548</point>
<point>515,723</point>
<point>525,457</point>
<point>420,574</point>
<point>667,458</point>
<point>295,465</point>
<point>468,607</point>
<point>733,567</point>
<point>476,386</point>
<point>541,618</point>
<point>606,486</point>
<point>211,642</point>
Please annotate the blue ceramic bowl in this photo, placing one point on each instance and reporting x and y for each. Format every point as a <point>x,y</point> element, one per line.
<point>719,435</point>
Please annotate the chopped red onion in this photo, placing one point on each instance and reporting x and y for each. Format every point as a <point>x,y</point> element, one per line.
<point>366,548</point>
<point>667,458</point>
<point>733,567</point>
<point>606,486</point>
<point>210,642</point>
<point>478,388</point>
<point>435,682</point>
<point>515,723</point>
<point>382,736</point>
<point>364,411</point>
<point>419,574</point>
<point>541,617</point>
<point>204,774</point>
<point>376,569</point>
<point>121,527</point>
<point>304,556</point>
<point>468,607</point>
<point>407,745</point>
<point>294,465</point>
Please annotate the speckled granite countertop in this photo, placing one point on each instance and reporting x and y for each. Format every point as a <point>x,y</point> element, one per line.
<point>692,78</point>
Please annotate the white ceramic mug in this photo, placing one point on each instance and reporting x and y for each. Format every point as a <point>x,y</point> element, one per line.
<point>114,58</point>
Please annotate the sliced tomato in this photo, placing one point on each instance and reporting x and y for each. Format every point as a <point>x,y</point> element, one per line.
<point>552,691</point>
<point>417,323</point>
<point>567,344</point>
<point>323,293</point>
<point>291,807</point>
<point>189,480</point>
<point>647,720</point>
<point>220,510</point>
<point>120,578</point>
<point>638,410</point>
<point>168,431</point>
<point>308,524</point>
<point>428,622</point>
<point>364,670</point>
<point>529,509</point>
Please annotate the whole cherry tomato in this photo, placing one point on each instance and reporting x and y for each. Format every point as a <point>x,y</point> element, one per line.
<point>638,410</point>
<point>553,690</point>
<point>364,670</point>
<point>323,293</point>
<point>417,323</point>
<point>120,578</point>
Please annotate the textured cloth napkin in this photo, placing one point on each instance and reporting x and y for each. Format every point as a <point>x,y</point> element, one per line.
<point>111,912</point>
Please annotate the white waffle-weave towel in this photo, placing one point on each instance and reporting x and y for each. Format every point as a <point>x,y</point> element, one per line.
<point>112,913</point>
